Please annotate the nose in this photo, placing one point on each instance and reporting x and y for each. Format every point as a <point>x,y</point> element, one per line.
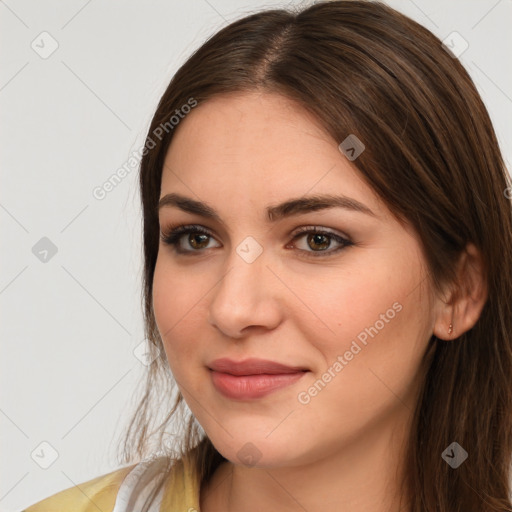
<point>246,298</point>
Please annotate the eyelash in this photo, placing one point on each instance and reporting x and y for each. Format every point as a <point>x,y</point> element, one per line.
<point>173,235</point>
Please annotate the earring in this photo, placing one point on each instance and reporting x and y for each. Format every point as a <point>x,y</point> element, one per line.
<point>450,329</point>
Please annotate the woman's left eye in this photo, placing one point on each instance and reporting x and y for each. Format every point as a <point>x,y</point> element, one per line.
<point>315,238</point>
<point>321,239</point>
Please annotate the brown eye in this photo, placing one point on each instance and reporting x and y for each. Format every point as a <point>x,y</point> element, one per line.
<point>318,241</point>
<point>198,241</point>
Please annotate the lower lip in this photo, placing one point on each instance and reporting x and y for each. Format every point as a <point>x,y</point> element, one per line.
<point>246,387</point>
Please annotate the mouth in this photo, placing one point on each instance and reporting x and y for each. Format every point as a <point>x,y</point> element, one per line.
<point>252,378</point>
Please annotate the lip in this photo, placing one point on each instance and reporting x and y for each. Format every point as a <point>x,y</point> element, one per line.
<point>252,378</point>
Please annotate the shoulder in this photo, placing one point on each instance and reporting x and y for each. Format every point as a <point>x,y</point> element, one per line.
<point>127,488</point>
<point>100,493</point>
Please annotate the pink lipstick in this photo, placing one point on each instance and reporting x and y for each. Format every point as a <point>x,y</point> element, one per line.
<point>252,378</point>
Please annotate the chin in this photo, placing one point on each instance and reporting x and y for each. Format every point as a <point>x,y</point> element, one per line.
<point>253,451</point>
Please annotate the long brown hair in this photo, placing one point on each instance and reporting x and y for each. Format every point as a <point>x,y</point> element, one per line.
<point>432,156</point>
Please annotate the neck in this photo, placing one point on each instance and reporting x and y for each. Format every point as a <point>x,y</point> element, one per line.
<point>361,475</point>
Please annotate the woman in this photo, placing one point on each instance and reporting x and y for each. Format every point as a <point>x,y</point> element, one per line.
<point>327,240</point>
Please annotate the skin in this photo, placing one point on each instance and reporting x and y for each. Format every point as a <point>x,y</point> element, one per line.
<point>342,450</point>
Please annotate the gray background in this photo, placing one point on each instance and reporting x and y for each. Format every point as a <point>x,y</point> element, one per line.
<point>70,324</point>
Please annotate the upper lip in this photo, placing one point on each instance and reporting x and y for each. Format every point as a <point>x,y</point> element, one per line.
<point>252,366</point>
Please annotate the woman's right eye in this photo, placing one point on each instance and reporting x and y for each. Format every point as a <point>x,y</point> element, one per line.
<point>198,242</point>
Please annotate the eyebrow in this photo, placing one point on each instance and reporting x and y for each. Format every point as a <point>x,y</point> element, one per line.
<point>288,208</point>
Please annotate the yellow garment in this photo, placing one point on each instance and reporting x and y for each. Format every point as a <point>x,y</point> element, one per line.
<point>99,494</point>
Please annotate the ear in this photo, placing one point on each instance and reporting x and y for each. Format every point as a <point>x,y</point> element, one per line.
<point>468,295</point>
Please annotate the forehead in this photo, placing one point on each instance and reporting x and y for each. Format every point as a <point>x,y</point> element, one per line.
<point>258,146</point>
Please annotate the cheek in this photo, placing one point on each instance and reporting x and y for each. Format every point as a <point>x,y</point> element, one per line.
<point>380,374</point>
<point>176,303</point>
<point>378,331</point>
<point>363,384</point>
<point>350,304</point>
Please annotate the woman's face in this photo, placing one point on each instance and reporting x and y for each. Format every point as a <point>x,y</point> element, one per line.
<point>354,315</point>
